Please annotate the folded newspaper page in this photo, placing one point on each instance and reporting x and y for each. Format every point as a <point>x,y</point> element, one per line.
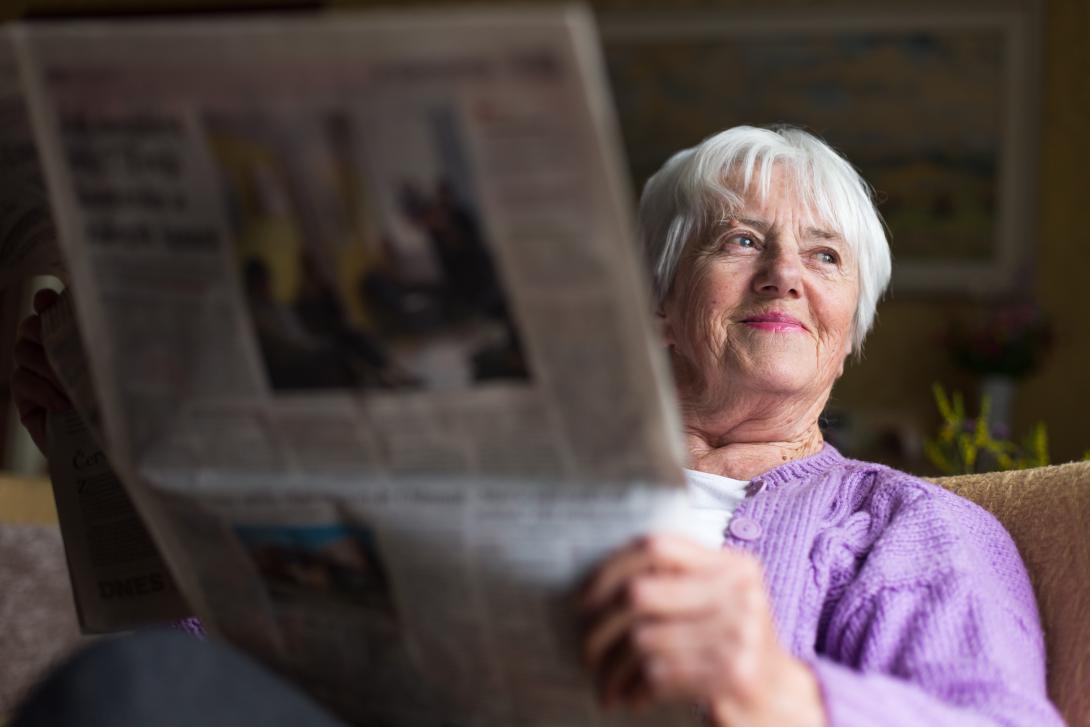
<point>370,339</point>
<point>119,579</point>
<point>117,584</point>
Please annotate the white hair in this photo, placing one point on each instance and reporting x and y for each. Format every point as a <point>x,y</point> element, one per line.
<point>690,194</point>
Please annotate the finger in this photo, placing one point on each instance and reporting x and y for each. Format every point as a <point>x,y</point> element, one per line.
<point>30,328</point>
<point>45,299</point>
<point>622,678</point>
<point>689,660</point>
<point>681,551</point>
<point>648,599</point>
<point>618,675</point>
<point>707,638</point>
<point>708,657</point>
<point>606,635</point>
<point>678,675</point>
<point>652,552</point>
<point>30,391</point>
<point>636,693</point>
<point>680,595</point>
<point>728,578</point>
<point>612,575</point>
<point>30,355</point>
<point>694,635</point>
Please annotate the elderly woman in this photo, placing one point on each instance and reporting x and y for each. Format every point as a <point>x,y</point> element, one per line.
<point>844,593</point>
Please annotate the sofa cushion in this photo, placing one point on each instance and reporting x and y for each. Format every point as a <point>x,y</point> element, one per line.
<point>1047,511</point>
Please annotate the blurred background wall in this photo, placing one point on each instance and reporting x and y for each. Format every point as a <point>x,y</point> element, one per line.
<point>888,394</point>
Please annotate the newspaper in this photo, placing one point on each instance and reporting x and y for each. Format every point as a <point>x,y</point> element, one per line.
<point>119,578</point>
<point>369,338</point>
<point>27,235</point>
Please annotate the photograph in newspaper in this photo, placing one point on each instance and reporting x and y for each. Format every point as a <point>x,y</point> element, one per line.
<point>351,286</point>
<point>310,563</point>
<point>329,597</point>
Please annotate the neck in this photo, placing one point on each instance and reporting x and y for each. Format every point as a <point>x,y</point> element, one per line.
<point>743,446</point>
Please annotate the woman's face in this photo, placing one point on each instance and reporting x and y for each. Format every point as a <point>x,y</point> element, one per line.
<point>764,306</point>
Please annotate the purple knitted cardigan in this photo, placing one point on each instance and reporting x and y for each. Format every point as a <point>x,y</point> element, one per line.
<point>910,604</point>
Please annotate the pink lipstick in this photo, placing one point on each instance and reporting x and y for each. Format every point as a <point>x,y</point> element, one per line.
<point>774,321</point>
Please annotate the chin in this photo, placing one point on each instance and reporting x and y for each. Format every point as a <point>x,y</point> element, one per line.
<point>782,375</point>
<point>784,385</point>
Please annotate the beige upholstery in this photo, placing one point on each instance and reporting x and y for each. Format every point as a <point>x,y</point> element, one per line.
<point>38,620</point>
<point>1047,512</point>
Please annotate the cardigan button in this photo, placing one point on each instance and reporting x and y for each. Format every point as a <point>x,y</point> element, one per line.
<point>744,528</point>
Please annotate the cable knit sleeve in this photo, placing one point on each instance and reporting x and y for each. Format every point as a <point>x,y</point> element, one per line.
<point>939,625</point>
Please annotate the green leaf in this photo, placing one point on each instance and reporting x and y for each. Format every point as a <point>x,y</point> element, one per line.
<point>968,453</point>
<point>941,400</point>
<point>982,432</point>
<point>1040,444</point>
<point>959,406</point>
<point>938,457</point>
<point>955,451</point>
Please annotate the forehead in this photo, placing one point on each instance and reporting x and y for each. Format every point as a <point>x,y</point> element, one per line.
<point>781,199</point>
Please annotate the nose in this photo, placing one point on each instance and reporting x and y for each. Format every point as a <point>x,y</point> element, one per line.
<point>780,274</point>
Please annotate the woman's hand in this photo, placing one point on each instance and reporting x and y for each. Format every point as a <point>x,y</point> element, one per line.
<point>34,386</point>
<point>671,620</point>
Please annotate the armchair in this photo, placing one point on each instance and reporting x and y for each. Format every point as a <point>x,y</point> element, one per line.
<point>1047,512</point>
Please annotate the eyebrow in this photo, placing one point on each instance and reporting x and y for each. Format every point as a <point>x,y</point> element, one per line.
<point>763,226</point>
<point>821,234</point>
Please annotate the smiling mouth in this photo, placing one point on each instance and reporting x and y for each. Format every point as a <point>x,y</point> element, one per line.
<point>774,322</point>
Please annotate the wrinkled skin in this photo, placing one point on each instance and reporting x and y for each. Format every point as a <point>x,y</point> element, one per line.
<point>669,620</point>
<point>741,385</point>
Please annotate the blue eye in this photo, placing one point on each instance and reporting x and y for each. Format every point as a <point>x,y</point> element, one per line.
<point>830,258</point>
<point>744,241</point>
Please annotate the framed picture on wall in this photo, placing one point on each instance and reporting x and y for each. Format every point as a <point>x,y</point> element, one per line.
<point>937,109</point>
